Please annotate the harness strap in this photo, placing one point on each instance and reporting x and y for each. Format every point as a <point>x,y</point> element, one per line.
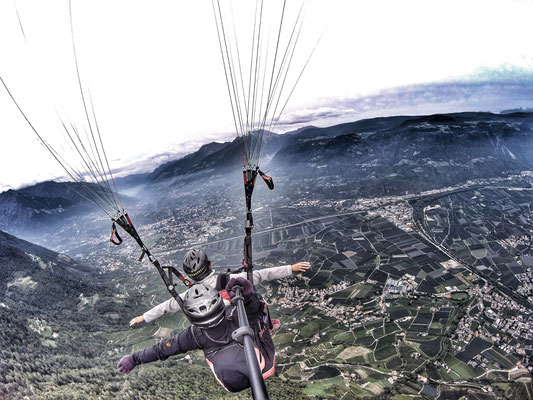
<point>173,271</point>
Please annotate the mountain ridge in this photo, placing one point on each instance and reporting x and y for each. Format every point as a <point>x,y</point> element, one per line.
<point>375,157</point>
<point>35,277</point>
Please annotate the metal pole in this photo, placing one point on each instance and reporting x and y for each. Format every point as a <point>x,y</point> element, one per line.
<point>245,335</point>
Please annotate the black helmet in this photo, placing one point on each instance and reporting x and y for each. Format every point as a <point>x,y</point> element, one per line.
<point>203,306</point>
<point>196,264</point>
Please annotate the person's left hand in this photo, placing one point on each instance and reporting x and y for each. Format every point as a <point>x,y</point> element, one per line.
<point>301,266</point>
<point>126,364</point>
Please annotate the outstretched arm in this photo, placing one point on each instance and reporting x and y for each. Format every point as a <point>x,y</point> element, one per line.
<point>275,273</point>
<point>168,306</point>
<point>181,343</point>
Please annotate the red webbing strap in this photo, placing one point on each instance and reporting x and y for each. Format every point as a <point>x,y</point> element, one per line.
<point>114,234</point>
<point>224,294</point>
<point>185,280</point>
<point>129,220</point>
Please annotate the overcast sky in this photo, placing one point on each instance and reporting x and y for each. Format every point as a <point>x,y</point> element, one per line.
<point>156,79</point>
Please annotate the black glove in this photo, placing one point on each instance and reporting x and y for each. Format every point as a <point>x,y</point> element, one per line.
<point>246,287</point>
<point>126,364</point>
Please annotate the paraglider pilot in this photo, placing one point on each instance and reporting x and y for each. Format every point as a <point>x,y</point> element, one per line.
<point>211,330</point>
<point>198,267</point>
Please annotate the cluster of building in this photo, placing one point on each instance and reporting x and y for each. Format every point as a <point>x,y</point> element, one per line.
<point>289,296</point>
<point>480,361</point>
<point>509,317</point>
<point>395,288</point>
<point>464,333</point>
<point>400,213</point>
<point>316,338</point>
<point>292,297</point>
<point>526,287</point>
<point>394,377</point>
<point>182,233</point>
<point>515,241</point>
<point>350,377</point>
<point>442,364</point>
<point>502,313</point>
<point>41,327</point>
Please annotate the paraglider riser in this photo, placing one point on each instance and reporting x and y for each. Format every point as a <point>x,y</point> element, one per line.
<point>125,223</point>
<point>249,175</point>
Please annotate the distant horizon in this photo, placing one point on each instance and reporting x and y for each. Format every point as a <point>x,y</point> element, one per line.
<point>149,165</point>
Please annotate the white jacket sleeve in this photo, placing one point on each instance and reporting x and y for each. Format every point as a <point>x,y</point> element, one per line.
<point>267,274</point>
<point>171,305</point>
<point>168,306</point>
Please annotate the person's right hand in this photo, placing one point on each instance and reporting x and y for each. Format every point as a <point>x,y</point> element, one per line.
<point>137,320</point>
<point>245,285</point>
